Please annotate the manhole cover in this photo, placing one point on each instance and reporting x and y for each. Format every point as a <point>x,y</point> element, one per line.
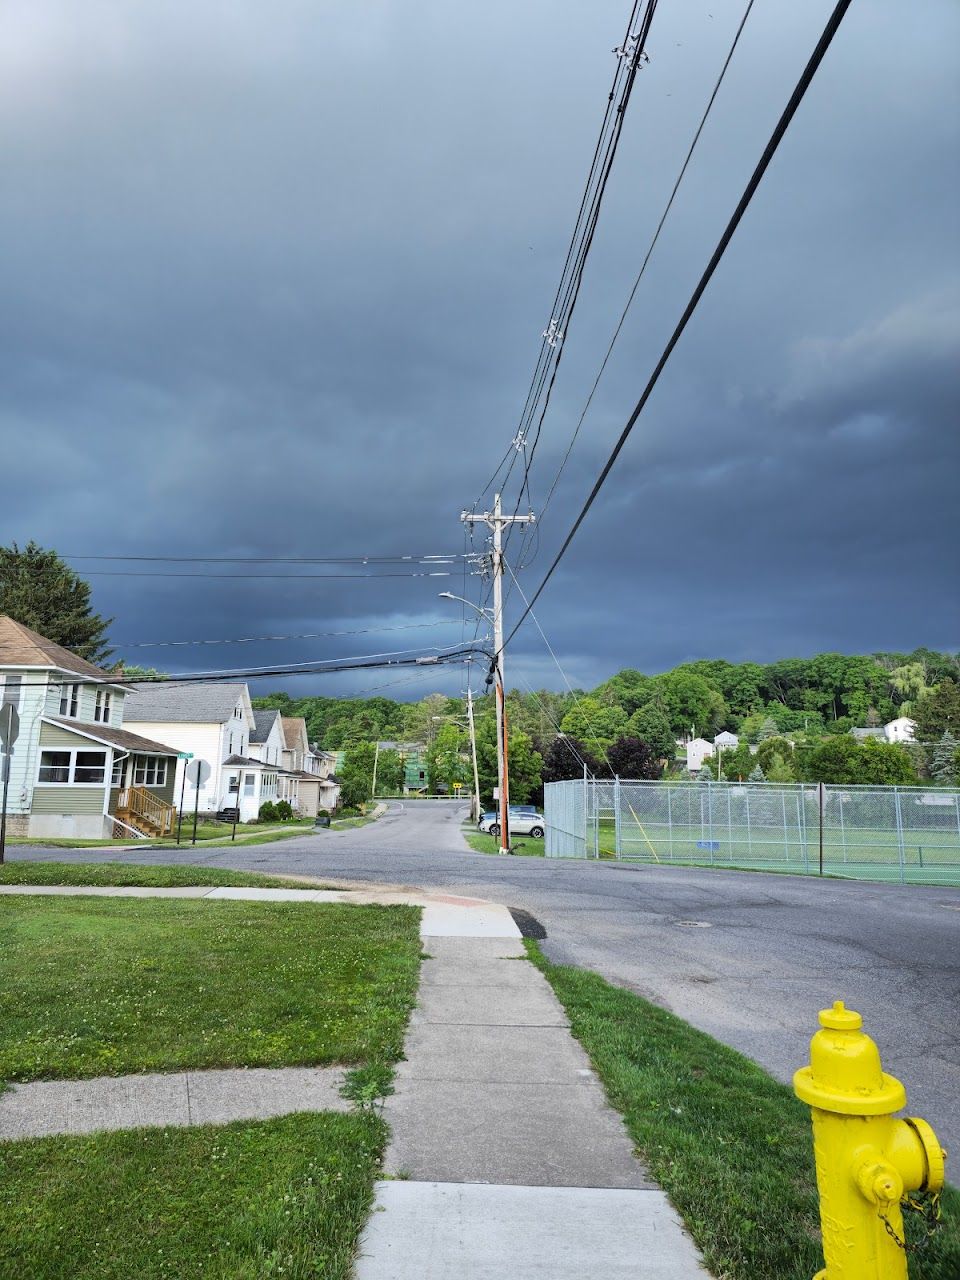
<point>693,924</point>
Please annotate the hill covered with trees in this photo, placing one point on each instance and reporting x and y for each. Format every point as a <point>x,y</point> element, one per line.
<point>630,723</point>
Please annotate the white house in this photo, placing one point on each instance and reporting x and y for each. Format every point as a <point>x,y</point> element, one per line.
<point>266,738</point>
<point>75,768</point>
<point>697,751</point>
<point>726,741</point>
<point>212,721</point>
<point>247,784</point>
<point>902,729</point>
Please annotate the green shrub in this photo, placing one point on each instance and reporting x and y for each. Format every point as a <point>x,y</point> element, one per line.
<point>283,810</point>
<point>268,811</point>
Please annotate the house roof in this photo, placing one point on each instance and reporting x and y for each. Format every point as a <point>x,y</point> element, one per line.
<point>112,737</point>
<point>263,722</point>
<point>21,647</point>
<point>246,762</point>
<point>155,700</point>
<point>871,732</point>
<point>294,732</point>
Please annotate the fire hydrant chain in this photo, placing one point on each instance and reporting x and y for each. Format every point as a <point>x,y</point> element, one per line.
<point>929,1210</point>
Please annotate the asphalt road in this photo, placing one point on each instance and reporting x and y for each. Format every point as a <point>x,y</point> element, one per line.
<point>748,957</point>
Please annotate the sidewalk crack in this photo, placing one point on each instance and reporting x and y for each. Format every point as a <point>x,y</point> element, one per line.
<point>186,1079</point>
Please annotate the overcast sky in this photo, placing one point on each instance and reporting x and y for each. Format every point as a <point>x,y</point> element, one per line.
<point>274,280</point>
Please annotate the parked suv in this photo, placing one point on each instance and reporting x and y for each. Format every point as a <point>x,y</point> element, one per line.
<point>524,821</point>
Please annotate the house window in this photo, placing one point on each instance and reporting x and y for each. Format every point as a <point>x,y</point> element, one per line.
<point>69,697</point>
<point>150,771</point>
<point>116,773</point>
<point>55,766</point>
<point>248,783</point>
<point>11,690</point>
<point>90,766</point>
<point>101,711</point>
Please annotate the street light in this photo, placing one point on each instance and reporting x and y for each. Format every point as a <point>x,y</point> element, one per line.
<point>475,801</point>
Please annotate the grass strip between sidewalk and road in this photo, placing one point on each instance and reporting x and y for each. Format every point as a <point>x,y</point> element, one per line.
<point>107,986</point>
<point>731,1146</point>
<point>482,842</point>
<point>243,1201</point>
<point>143,875</point>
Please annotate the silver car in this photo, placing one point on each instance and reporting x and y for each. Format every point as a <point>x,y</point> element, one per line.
<point>525,821</point>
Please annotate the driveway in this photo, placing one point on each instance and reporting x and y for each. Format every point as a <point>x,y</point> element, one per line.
<point>746,956</point>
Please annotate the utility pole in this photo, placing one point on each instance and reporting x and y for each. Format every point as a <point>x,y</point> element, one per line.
<point>496,520</point>
<point>475,805</point>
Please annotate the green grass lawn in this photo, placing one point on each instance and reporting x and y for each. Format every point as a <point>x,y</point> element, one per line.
<point>278,1198</point>
<point>101,986</point>
<point>730,1145</point>
<point>123,873</point>
<point>481,842</point>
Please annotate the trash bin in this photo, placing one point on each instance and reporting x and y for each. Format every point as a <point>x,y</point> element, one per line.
<point>321,821</point>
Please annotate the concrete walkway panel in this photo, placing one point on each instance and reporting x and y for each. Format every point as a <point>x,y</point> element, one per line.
<point>436,1231</point>
<point>47,1107</point>
<point>525,1134</point>
<point>489,1005</point>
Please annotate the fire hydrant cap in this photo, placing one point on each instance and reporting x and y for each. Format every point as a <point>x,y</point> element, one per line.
<point>840,1018</point>
<point>845,1075</point>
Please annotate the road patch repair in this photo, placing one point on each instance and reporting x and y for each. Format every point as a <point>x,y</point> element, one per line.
<point>505,1156</point>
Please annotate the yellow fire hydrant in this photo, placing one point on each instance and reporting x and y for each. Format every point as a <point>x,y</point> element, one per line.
<point>866,1158</point>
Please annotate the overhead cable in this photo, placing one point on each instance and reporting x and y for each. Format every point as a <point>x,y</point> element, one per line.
<point>769,151</point>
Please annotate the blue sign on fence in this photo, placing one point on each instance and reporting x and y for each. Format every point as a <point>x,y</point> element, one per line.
<point>712,845</point>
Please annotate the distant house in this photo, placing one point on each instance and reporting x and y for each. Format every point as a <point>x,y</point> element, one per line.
<point>266,740</point>
<point>213,722</point>
<point>902,729</point>
<point>726,741</point>
<point>862,735</point>
<point>307,780</point>
<point>76,769</point>
<point>697,751</point>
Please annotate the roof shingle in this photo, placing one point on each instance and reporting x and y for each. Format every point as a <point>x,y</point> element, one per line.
<point>21,647</point>
<point>156,700</point>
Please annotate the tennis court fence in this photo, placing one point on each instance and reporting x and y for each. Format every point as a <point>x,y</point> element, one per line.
<point>905,834</point>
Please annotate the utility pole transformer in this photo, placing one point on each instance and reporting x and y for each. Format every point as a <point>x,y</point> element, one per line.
<point>495,520</point>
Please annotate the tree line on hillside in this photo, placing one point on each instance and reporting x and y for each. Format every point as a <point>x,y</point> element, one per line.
<point>797,712</point>
<point>793,719</point>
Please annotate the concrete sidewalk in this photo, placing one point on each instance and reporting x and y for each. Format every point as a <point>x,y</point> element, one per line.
<point>509,1159</point>
<point>46,1107</point>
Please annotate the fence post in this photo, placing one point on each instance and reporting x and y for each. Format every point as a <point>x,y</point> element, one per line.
<point>900,849</point>
<point>595,792</point>
<point>802,824</point>
<point>821,806</point>
<point>670,821</point>
<point>616,814</point>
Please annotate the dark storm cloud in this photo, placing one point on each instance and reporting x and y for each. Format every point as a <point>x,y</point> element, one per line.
<point>274,284</point>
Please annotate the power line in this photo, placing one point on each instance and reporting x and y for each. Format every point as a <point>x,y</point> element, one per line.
<point>631,56</point>
<point>646,259</point>
<point>266,577</point>
<point>303,635</point>
<point>205,677</point>
<point>371,559</point>
<point>543,636</point>
<point>776,138</point>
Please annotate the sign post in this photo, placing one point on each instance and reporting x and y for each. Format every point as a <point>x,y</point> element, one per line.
<point>9,732</point>
<point>198,771</point>
<point>182,755</point>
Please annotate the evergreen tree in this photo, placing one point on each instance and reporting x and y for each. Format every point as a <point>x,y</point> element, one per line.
<point>756,774</point>
<point>768,729</point>
<point>40,590</point>
<point>943,766</point>
<point>705,774</point>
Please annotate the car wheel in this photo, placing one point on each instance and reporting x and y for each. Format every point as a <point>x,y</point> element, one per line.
<point>495,828</point>
<point>537,832</point>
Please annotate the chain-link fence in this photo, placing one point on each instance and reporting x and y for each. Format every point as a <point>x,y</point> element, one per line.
<point>907,834</point>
